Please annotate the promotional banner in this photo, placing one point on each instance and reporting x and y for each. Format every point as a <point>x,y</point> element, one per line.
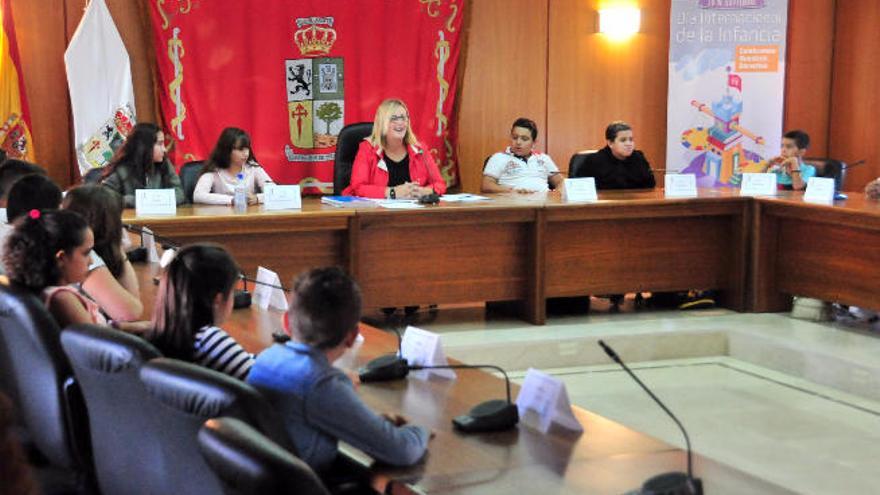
<point>292,74</point>
<point>726,85</point>
<point>15,134</point>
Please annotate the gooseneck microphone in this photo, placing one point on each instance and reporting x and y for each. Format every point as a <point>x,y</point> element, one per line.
<point>492,415</point>
<point>673,483</point>
<point>388,367</point>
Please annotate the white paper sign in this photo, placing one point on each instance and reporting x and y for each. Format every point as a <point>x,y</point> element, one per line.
<point>819,190</point>
<point>267,292</point>
<point>681,185</point>
<point>278,197</point>
<point>149,243</point>
<point>155,202</point>
<point>580,190</point>
<point>167,256</point>
<point>3,217</point>
<point>422,348</point>
<point>758,185</point>
<point>543,401</point>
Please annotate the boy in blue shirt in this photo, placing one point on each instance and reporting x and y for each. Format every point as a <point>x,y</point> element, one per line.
<point>318,401</point>
<point>789,167</point>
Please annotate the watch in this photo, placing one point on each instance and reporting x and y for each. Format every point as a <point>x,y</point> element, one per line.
<point>392,194</point>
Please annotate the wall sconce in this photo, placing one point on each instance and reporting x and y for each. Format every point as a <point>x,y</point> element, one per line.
<point>619,22</point>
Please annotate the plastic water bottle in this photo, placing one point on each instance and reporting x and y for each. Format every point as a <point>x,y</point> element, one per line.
<point>240,198</point>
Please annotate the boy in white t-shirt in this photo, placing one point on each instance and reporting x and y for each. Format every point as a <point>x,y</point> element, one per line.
<point>520,168</point>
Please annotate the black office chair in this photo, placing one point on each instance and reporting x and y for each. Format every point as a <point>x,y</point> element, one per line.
<point>128,458</point>
<point>831,169</point>
<point>577,164</point>
<point>189,176</point>
<point>347,143</point>
<point>248,463</point>
<point>46,396</point>
<point>93,176</point>
<point>184,396</point>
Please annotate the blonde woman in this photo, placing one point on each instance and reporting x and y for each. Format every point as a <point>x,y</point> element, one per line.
<point>391,163</point>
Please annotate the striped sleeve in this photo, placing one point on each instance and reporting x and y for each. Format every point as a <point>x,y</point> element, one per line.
<point>215,349</point>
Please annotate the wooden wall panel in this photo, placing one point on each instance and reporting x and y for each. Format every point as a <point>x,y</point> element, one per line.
<point>504,78</point>
<point>594,80</point>
<point>808,70</point>
<point>855,92</point>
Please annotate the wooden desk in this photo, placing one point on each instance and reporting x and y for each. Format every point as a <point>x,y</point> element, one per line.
<point>826,252</point>
<point>607,458</point>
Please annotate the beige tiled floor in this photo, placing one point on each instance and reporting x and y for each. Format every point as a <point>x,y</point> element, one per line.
<point>792,402</point>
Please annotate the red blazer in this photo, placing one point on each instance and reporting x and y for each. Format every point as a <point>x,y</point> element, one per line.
<point>369,174</point>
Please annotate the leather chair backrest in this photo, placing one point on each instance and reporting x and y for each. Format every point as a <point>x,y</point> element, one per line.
<point>248,463</point>
<point>46,396</point>
<point>189,176</point>
<point>106,364</point>
<point>577,165</point>
<point>831,169</point>
<point>185,395</point>
<point>347,144</point>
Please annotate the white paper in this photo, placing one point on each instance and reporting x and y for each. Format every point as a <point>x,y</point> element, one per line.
<point>266,291</point>
<point>167,256</point>
<point>400,205</point>
<point>463,198</point>
<point>155,202</point>
<point>681,186</point>
<point>758,185</point>
<point>580,190</point>
<point>149,243</point>
<point>819,190</point>
<point>278,197</point>
<point>543,401</point>
<point>423,348</point>
<point>3,217</point>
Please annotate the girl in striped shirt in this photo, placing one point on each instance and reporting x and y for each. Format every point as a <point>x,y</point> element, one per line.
<point>195,295</point>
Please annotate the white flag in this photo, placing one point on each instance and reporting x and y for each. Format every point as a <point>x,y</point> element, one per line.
<point>101,92</point>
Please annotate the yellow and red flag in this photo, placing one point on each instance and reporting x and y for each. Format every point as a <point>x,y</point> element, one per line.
<point>15,134</point>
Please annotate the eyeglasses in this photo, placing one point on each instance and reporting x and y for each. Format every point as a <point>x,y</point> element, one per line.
<point>399,118</point>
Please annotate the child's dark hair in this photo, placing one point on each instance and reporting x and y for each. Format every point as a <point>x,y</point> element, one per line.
<point>187,291</point>
<point>136,152</point>
<point>614,128</point>
<point>102,209</point>
<point>326,306</point>
<point>526,124</point>
<point>30,251</point>
<point>232,138</point>
<point>801,138</point>
<point>13,169</point>
<point>32,192</point>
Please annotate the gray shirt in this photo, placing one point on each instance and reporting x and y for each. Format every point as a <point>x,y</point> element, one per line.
<point>125,183</point>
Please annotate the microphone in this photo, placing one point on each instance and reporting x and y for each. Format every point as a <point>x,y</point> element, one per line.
<point>673,483</point>
<point>242,298</point>
<point>165,241</point>
<point>386,368</point>
<point>492,415</point>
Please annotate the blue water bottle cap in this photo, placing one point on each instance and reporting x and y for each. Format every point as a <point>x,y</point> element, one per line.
<point>240,176</point>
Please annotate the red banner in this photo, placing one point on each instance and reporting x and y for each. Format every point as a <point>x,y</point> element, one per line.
<point>292,74</point>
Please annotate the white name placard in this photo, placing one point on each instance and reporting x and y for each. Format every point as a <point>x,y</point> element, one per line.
<point>758,185</point>
<point>155,202</point>
<point>580,190</point>
<point>278,197</point>
<point>543,401</point>
<point>680,185</point>
<point>422,348</point>
<point>267,292</point>
<point>819,190</point>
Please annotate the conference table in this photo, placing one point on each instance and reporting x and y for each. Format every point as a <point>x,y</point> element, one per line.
<point>607,458</point>
<point>756,252</point>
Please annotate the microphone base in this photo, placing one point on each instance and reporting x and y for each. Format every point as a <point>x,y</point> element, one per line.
<point>384,369</point>
<point>241,299</point>
<point>672,483</point>
<point>137,255</point>
<point>493,415</point>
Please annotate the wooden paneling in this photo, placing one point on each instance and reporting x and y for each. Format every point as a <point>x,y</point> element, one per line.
<point>808,70</point>
<point>504,78</point>
<point>594,80</point>
<point>855,93</point>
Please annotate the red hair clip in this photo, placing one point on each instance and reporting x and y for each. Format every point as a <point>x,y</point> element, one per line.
<point>35,214</point>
